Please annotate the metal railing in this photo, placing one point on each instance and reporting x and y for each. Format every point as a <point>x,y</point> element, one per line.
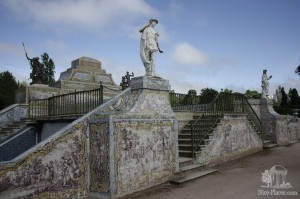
<point>77,103</point>
<point>224,103</point>
<point>186,102</point>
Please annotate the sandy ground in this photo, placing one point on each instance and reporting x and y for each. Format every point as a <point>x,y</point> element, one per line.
<point>239,179</point>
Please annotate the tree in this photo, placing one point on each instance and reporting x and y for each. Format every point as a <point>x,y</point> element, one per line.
<point>227,90</point>
<point>8,85</point>
<point>284,98</point>
<point>252,94</point>
<point>294,98</point>
<point>49,67</point>
<point>208,95</point>
<point>191,98</point>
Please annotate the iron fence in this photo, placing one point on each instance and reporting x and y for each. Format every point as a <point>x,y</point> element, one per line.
<point>77,103</point>
<point>186,102</point>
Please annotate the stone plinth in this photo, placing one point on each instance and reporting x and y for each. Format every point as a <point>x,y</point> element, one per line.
<point>143,138</point>
<point>149,82</point>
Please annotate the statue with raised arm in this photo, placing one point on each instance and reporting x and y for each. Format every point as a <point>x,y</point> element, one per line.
<point>149,46</point>
<point>38,74</point>
<point>265,84</point>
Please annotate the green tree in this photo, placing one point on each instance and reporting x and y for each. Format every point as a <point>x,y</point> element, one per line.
<point>191,97</point>
<point>49,67</point>
<point>208,95</point>
<point>8,85</point>
<point>284,98</point>
<point>252,94</point>
<point>227,90</point>
<point>294,98</point>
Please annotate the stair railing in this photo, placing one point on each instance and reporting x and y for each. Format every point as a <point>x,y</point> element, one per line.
<point>253,117</point>
<point>224,103</point>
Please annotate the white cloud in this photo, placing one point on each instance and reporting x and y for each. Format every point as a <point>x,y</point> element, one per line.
<point>88,15</point>
<point>185,53</point>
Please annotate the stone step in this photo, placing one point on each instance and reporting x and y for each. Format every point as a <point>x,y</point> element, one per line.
<point>184,141</point>
<point>184,136</point>
<point>187,154</point>
<point>270,145</point>
<point>185,147</point>
<point>184,161</point>
<point>189,168</point>
<point>193,176</point>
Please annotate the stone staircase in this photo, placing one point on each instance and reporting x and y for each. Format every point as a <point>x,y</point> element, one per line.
<point>188,170</point>
<point>13,128</point>
<point>200,128</point>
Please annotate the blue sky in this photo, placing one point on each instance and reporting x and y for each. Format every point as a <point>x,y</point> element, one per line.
<point>207,43</point>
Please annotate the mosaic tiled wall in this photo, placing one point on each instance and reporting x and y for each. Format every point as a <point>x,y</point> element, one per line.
<point>99,158</point>
<point>145,154</point>
<point>56,169</point>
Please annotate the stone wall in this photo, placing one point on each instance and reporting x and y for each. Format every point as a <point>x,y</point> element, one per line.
<point>13,113</point>
<point>55,168</point>
<point>125,145</point>
<point>280,129</point>
<point>233,138</point>
<point>19,143</point>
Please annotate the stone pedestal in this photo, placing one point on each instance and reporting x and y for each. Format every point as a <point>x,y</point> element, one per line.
<point>275,126</point>
<point>143,135</point>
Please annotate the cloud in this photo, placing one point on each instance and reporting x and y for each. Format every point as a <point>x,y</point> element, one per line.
<point>88,15</point>
<point>186,54</point>
<point>15,50</point>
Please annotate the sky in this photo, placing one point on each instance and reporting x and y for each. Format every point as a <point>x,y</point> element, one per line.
<point>215,44</point>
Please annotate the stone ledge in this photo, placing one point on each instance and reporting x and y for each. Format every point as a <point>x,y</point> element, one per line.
<point>149,82</point>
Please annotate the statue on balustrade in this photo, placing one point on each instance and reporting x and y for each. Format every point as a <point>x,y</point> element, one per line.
<point>265,85</point>
<point>149,46</point>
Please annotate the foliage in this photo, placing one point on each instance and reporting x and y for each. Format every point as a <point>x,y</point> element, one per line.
<point>284,98</point>
<point>191,98</point>
<point>49,67</point>
<point>252,94</point>
<point>228,90</point>
<point>288,103</point>
<point>294,98</point>
<point>8,85</point>
<point>22,84</point>
<point>208,95</point>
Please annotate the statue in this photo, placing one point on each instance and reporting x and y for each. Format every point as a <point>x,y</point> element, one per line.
<point>126,80</point>
<point>38,74</point>
<point>149,46</point>
<point>265,84</point>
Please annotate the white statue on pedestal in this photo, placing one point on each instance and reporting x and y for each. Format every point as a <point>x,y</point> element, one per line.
<point>265,84</point>
<point>149,46</point>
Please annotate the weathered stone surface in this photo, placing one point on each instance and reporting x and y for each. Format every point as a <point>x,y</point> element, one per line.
<point>13,113</point>
<point>127,144</point>
<point>150,82</point>
<point>233,138</point>
<point>55,168</point>
<point>143,128</point>
<point>275,127</point>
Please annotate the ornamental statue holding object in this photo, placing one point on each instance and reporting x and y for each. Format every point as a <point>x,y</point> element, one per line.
<point>149,46</point>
